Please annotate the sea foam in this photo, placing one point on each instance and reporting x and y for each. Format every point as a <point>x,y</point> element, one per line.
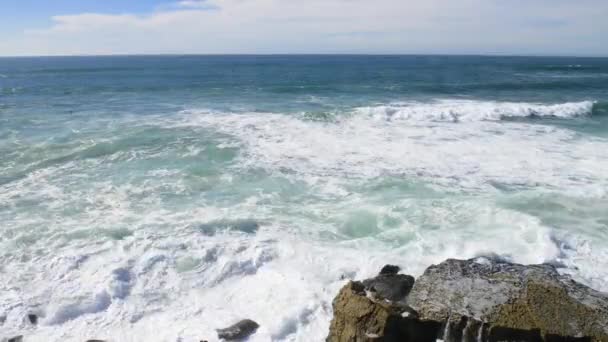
<point>172,253</point>
<point>476,155</point>
<point>467,110</point>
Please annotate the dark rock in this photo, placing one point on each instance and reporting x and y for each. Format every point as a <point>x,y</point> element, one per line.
<point>358,288</point>
<point>2,319</point>
<point>509,334</point>
<point>16,339</point>
<point>32,318</point>
<point>96,341</point>
<point>390,270</point>
<point>238,331</point>
<point>494,257</point>
<point>555,338</point>
<point>392,287</point>
<point>472,300</point>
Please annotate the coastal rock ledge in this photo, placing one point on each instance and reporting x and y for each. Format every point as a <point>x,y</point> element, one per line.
<point>470,300</point>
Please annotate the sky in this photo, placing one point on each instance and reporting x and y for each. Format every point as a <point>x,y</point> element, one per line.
<point>502,27</point>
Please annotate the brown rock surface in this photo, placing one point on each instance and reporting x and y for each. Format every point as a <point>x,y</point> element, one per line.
<point>475,300</point>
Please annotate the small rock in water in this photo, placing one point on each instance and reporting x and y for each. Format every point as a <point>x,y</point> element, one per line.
<point>390,270</point>
<point>2,319</point>
<point>16,339</point>
<point>33,318</point>
<point>96,341</point>
<point>238,331</point>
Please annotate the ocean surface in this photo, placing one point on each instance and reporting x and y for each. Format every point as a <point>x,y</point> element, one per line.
<point>159,198</point>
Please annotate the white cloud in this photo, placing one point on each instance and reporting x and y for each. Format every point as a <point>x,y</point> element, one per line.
<point>199,4</point>
<point>191,3</point>
<point>330,26</point>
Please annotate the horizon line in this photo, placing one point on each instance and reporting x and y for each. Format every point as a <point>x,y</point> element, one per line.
<point>306,54</point>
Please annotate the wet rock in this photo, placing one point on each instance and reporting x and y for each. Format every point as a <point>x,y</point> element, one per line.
<point>32,318</point>
<point>512,297</point>
<point>356,317</point>
<point>238,331</point>
<point>389,285</point>
<point>473,300</point>
<point>15,339</point>
<point>359,318</point>
<point>96,341</point>
<point>2,319</point>
<point>390,270</point>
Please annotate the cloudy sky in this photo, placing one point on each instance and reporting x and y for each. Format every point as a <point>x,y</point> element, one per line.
<point>526,27</point>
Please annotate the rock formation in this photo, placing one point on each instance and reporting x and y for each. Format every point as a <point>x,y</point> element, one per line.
<point>470,300</point>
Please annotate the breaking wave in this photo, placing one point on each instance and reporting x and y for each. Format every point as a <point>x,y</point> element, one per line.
<point>467,110</point>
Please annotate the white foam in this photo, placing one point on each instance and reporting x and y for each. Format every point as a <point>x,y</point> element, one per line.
<point>100,302</point>
<point>478,155</point>
<point>282,282</point>
<point>165,279</point>
<point>468,110</point>
<point>133,290</point>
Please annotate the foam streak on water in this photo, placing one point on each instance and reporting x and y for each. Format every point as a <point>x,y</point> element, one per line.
<point>160,198</point>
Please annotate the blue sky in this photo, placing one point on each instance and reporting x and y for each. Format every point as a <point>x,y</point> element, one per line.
<point>528,27</point>
<point>16,15</point>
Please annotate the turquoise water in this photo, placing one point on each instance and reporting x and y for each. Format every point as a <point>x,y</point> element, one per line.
<point>164,197</point>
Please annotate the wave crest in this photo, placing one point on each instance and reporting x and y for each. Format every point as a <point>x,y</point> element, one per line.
<point>467,110</point>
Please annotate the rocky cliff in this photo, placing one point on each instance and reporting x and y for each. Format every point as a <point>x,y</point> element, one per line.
<point>470,300</point>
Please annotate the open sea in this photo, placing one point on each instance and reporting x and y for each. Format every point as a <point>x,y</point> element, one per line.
<point>157,198</point>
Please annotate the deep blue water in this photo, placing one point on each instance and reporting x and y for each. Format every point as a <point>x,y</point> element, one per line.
<point>267,83</point>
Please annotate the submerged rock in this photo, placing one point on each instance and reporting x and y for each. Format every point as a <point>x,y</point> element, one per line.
<point>15,339</point>
<point>238,331</point>
<point>475,300</point>
<point>32,318</point>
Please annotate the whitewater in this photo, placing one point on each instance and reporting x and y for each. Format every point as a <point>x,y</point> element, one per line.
<point>154,202</point>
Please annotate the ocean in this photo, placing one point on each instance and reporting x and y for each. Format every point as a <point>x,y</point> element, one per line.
<point>157,198</point>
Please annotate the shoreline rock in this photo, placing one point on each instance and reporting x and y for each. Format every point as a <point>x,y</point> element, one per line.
<point>391,287</point>
<point>471,300</point>
<point>238,331</point>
